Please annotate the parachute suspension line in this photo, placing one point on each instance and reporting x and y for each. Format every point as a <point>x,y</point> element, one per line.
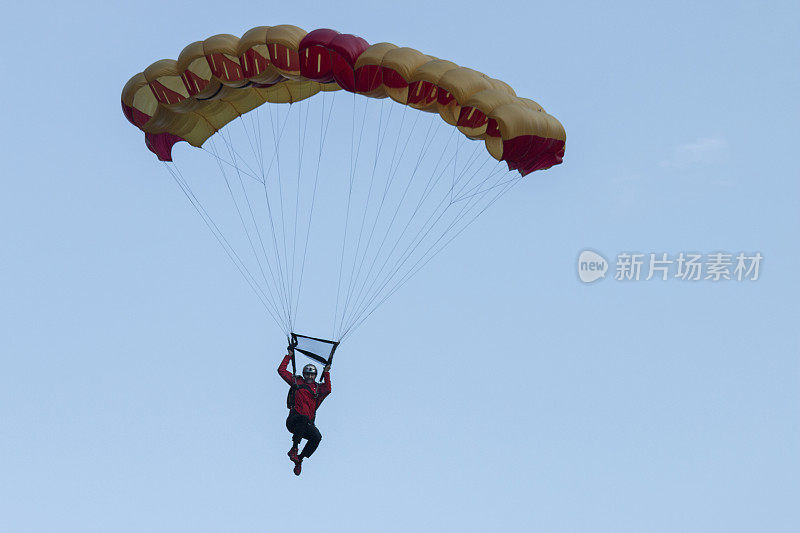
<point>411,273</point>
<point>293,240</point>
<point>428,187</point>
<point>413,188</point>
<point>381,295</point>
<point>416,243</point>
<point>353,163</point>
<point>412,247</point>
<point>344,239</point>
<point>247,231</point>
<point>472,176</point>
<point>259,156</point>
<point>390,175</point>
<point>353,167</point>
<point>255,121</point>
<point>234,155</point>
<point>250,141</point>
<point>287,287</point>
<point>465,212</point>
<point>465,197</point>
<point>509,183</point>
<point>277,134</point>
<point>255,145</point>
<point>301,138</point>
<point>177,176</point>
<point>323,126</point>
<point>423,151</point>
<point>229,145</point>
<point>239,213</point>
<point>458,175</point>
<point>225,161</point>
<point>455,168</point>
<point>378,145</point>
<point>262,179</point>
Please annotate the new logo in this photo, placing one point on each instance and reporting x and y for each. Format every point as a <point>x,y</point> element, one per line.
<point>591,266</point>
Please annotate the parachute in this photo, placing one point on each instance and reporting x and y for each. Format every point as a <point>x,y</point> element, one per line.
<point>389,176</point>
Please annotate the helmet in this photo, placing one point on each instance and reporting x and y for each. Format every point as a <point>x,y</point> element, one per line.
<point>309,371</point>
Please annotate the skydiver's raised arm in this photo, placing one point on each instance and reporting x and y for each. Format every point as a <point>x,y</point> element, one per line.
<point>283,369</point>
<point>325,385</point>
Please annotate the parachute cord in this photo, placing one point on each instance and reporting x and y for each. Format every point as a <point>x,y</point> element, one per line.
<point>462,198</point>
<point>423,151</point>
<point>415,243</point>
<point>415,268</point>
<point>423,206</point>
<point>378,145</point>
<point>232,150</point>
<point>301,148</point>
<point>244,224</point>
<point>259,141</point>
<point>256,145</point>
<point>255,123</point>
<point>389,175</point>
<point>408,276</point>
<point>390,179</point>
<point>428,187</point>
<point>412,271</point>
<point>344,239</point>
<point>468,181</point>
<point>412,246</point>
<point>458,175</point>
<point>363,301</point>
<point>293,240</point>
<point>223,242</point>
<point>455,169</point>
<point>249,141</point>
<point>323,136</point>
<point>277,133</point>
<point>282,211</point>
<point>258,154</point>
<point>221,160</point>
<point>349,199</point>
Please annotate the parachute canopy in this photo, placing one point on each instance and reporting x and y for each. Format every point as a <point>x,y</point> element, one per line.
<point>389,174</point>
<point>214,81</point>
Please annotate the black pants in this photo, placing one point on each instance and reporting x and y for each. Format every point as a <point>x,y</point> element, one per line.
<point>302,427</point>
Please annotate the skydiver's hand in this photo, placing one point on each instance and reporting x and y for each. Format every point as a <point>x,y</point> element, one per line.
<point>289,351</point>
<point>327,368</point>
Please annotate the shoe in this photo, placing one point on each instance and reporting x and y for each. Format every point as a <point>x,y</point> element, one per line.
<point>293,454</point>
<point>297,466</point>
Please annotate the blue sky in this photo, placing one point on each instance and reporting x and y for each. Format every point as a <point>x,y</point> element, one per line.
<point>138,389</point>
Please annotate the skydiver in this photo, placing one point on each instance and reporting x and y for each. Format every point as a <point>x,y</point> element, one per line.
<point>308,395</point>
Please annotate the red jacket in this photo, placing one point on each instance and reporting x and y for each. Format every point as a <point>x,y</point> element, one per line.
<point>304,401</point>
